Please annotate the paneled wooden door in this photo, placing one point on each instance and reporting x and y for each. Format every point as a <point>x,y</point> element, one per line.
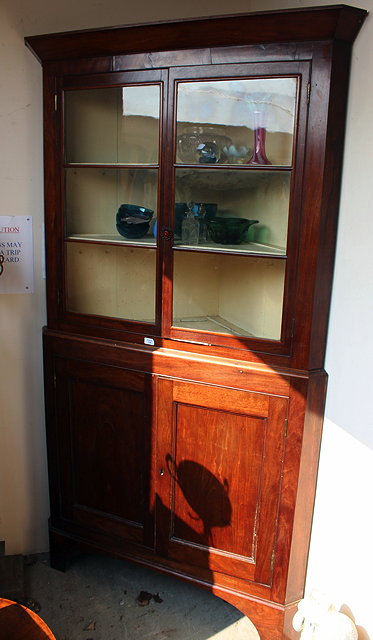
<point>102,449</point>
<point>220,460</point>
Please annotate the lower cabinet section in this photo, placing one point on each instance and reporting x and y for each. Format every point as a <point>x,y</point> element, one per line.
<point>209,481</point>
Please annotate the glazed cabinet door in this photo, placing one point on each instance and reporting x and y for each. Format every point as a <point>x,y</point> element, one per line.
<point>219,463</point>
<point>111,168</point>
<point>99,445</point>
<point>238,141</point>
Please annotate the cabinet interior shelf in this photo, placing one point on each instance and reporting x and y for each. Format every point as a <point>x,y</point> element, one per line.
<point>149,242</point>
<point>246,248</point>
<point>111,165</point>
<point>211,324</point>
<point>113,238</point>
<point>237,166</point>
<point>179,165</point>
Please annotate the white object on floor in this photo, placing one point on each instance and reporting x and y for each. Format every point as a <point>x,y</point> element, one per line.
<point>319,620</point>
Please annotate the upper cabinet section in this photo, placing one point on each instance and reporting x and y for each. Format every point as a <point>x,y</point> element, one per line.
<point>192,181</point>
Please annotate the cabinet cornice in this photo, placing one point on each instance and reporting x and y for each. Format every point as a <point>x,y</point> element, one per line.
<point>339,22</point>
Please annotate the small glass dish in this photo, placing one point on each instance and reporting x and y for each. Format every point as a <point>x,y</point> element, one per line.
<point>203,145</point>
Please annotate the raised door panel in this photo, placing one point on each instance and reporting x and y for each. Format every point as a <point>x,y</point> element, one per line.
<point>220,462</point>
<point>103,448</point>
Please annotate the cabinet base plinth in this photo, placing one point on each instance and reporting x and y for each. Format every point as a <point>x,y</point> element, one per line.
<point>272,621</point>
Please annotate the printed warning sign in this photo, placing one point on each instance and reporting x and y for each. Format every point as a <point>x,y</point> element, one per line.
<point>16,255</point>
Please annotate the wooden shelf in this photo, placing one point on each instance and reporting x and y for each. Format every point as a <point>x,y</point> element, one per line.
<point>110,165</point>
<point>149,242</point>
<point>215,324</point>
<point>246,248</point>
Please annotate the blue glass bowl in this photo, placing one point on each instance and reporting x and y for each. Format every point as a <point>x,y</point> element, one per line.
<point>133,221</point>
<point>229,230</point>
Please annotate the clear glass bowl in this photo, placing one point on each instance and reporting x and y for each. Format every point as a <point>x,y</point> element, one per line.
<point>203,145</point>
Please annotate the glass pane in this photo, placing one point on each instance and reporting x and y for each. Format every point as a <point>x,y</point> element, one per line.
<point>94,196</point>
<point>107,126</point>
<point>243,121</point>
<point>109,280</point>
<point>234,295</point>
<point>232,210</point>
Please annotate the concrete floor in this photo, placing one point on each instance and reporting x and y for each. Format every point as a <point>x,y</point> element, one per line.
<point>96,599</point>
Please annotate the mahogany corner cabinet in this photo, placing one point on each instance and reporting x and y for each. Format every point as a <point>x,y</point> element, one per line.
<point>192,176</point>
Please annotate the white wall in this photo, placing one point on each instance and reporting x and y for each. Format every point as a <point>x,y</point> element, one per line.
<point>340,558</point>
<point>23,490</point>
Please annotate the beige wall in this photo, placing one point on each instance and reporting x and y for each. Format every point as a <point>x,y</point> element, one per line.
<point>342,532</point>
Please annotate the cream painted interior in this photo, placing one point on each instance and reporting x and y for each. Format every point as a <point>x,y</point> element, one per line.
<point>237,294</point>
<point>253,294</point>
<point>99,129</point>
<point>93,196</point>
<point>196,285</point>
<point>91,125</point>
<point>260,195</point>
<point>234,108</point>
<point>112,281</point>
<point>278,145</point>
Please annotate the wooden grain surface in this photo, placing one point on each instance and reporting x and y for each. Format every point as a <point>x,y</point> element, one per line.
<point>19,623</point>
<point>322,23</point>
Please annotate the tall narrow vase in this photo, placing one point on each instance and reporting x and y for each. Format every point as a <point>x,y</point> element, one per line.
<point>259,155</point>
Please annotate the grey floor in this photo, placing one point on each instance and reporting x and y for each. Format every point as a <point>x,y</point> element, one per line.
<point>97,599</point>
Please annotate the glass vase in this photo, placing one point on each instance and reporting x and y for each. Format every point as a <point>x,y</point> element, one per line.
<point>259,155</point>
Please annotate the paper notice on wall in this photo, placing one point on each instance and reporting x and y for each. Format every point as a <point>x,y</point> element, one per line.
<point>16,255</point>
